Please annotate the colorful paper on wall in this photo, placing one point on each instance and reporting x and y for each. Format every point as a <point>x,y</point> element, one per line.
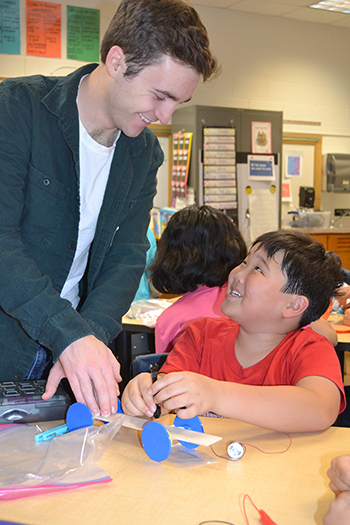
<point>10,39</point>
<point>43,29</point>
<point>182,144</point>
<point>83,34</point>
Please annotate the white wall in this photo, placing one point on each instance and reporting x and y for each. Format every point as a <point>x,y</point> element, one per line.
<point>299,68</point>
<point>296,67</point>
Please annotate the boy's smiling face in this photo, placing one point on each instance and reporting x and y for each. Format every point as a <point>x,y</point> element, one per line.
<point>254,297</point>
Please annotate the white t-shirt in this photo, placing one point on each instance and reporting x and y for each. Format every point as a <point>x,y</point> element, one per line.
<point>95,163</point>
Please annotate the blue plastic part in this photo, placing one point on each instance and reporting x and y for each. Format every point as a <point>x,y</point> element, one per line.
<point>119,408</point>
<point>194,424</point>
<point>156,441</point>
<point>10,523</point>
<point>50,434</point>
<point>79,416</point>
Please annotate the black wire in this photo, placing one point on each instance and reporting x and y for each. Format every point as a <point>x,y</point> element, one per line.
<point>218,456</point>
<point>216,521</point>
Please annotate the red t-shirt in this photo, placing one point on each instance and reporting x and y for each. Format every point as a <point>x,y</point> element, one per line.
<point>208,348</point>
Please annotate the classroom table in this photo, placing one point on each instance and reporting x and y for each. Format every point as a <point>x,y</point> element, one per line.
<point>185,489</point>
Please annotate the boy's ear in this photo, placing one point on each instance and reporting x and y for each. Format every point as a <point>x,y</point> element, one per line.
<point>114,60</point>
<point>295,307</point>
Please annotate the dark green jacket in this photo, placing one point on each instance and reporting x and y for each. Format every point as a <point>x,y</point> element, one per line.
<point>39,218</point>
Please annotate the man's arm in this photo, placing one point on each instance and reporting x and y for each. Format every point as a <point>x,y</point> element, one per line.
<point>111,286</point>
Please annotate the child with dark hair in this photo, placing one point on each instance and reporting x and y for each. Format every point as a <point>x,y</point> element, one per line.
<point>263,365</point>
<point>195,254</point>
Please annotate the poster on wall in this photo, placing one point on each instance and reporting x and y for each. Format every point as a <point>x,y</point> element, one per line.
<point>83,34</point>
<point>294,164</point>
<point>286,191</point>
<point>10,39</point>
<point>261,137</point>
<point>43,29</point>
<point>261,167</point>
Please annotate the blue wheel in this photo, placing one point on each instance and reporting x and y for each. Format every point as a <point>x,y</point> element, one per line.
<point>193,423</point>
<point>79,416</point>
<point>156,441</point>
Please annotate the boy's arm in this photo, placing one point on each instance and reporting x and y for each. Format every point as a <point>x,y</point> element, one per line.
<point>311,405</point>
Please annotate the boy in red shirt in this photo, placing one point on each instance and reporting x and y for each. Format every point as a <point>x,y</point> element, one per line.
<point>264,365</point>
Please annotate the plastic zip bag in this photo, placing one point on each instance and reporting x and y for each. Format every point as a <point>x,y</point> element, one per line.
<point>69,461</point>
<point>147,311</point>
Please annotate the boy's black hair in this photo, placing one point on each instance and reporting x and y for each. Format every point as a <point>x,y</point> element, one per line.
<point>200,245</point>
<point>309,269</point>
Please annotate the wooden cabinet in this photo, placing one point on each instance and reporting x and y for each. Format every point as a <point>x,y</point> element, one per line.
<point>336,242</point>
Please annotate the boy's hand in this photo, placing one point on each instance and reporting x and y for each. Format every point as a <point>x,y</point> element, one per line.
<point>187,393</point>
<point>344,295</point>
<point>346,318</point>
<point>136,401</point>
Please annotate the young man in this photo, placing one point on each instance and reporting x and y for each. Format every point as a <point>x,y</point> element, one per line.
<point>77,179</point>
<point>264,365</point>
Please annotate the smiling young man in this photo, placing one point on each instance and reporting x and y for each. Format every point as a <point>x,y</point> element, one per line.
<point>77,181</point>
<point>264,365</point>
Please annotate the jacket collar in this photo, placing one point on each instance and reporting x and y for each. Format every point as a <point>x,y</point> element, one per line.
<point>61,100</point>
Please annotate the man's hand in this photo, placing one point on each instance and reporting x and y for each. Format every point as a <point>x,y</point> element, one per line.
<point>187,393</point>
<point>93,374</point>
<point>135,400</point>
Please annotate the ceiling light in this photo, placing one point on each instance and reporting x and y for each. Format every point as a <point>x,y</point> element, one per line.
<point>333,5</point>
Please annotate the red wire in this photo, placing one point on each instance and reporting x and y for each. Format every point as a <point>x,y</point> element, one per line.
<point>264,517</point>
<point>265,452</point>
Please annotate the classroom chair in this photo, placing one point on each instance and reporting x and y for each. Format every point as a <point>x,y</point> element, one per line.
<point>141,363</point>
